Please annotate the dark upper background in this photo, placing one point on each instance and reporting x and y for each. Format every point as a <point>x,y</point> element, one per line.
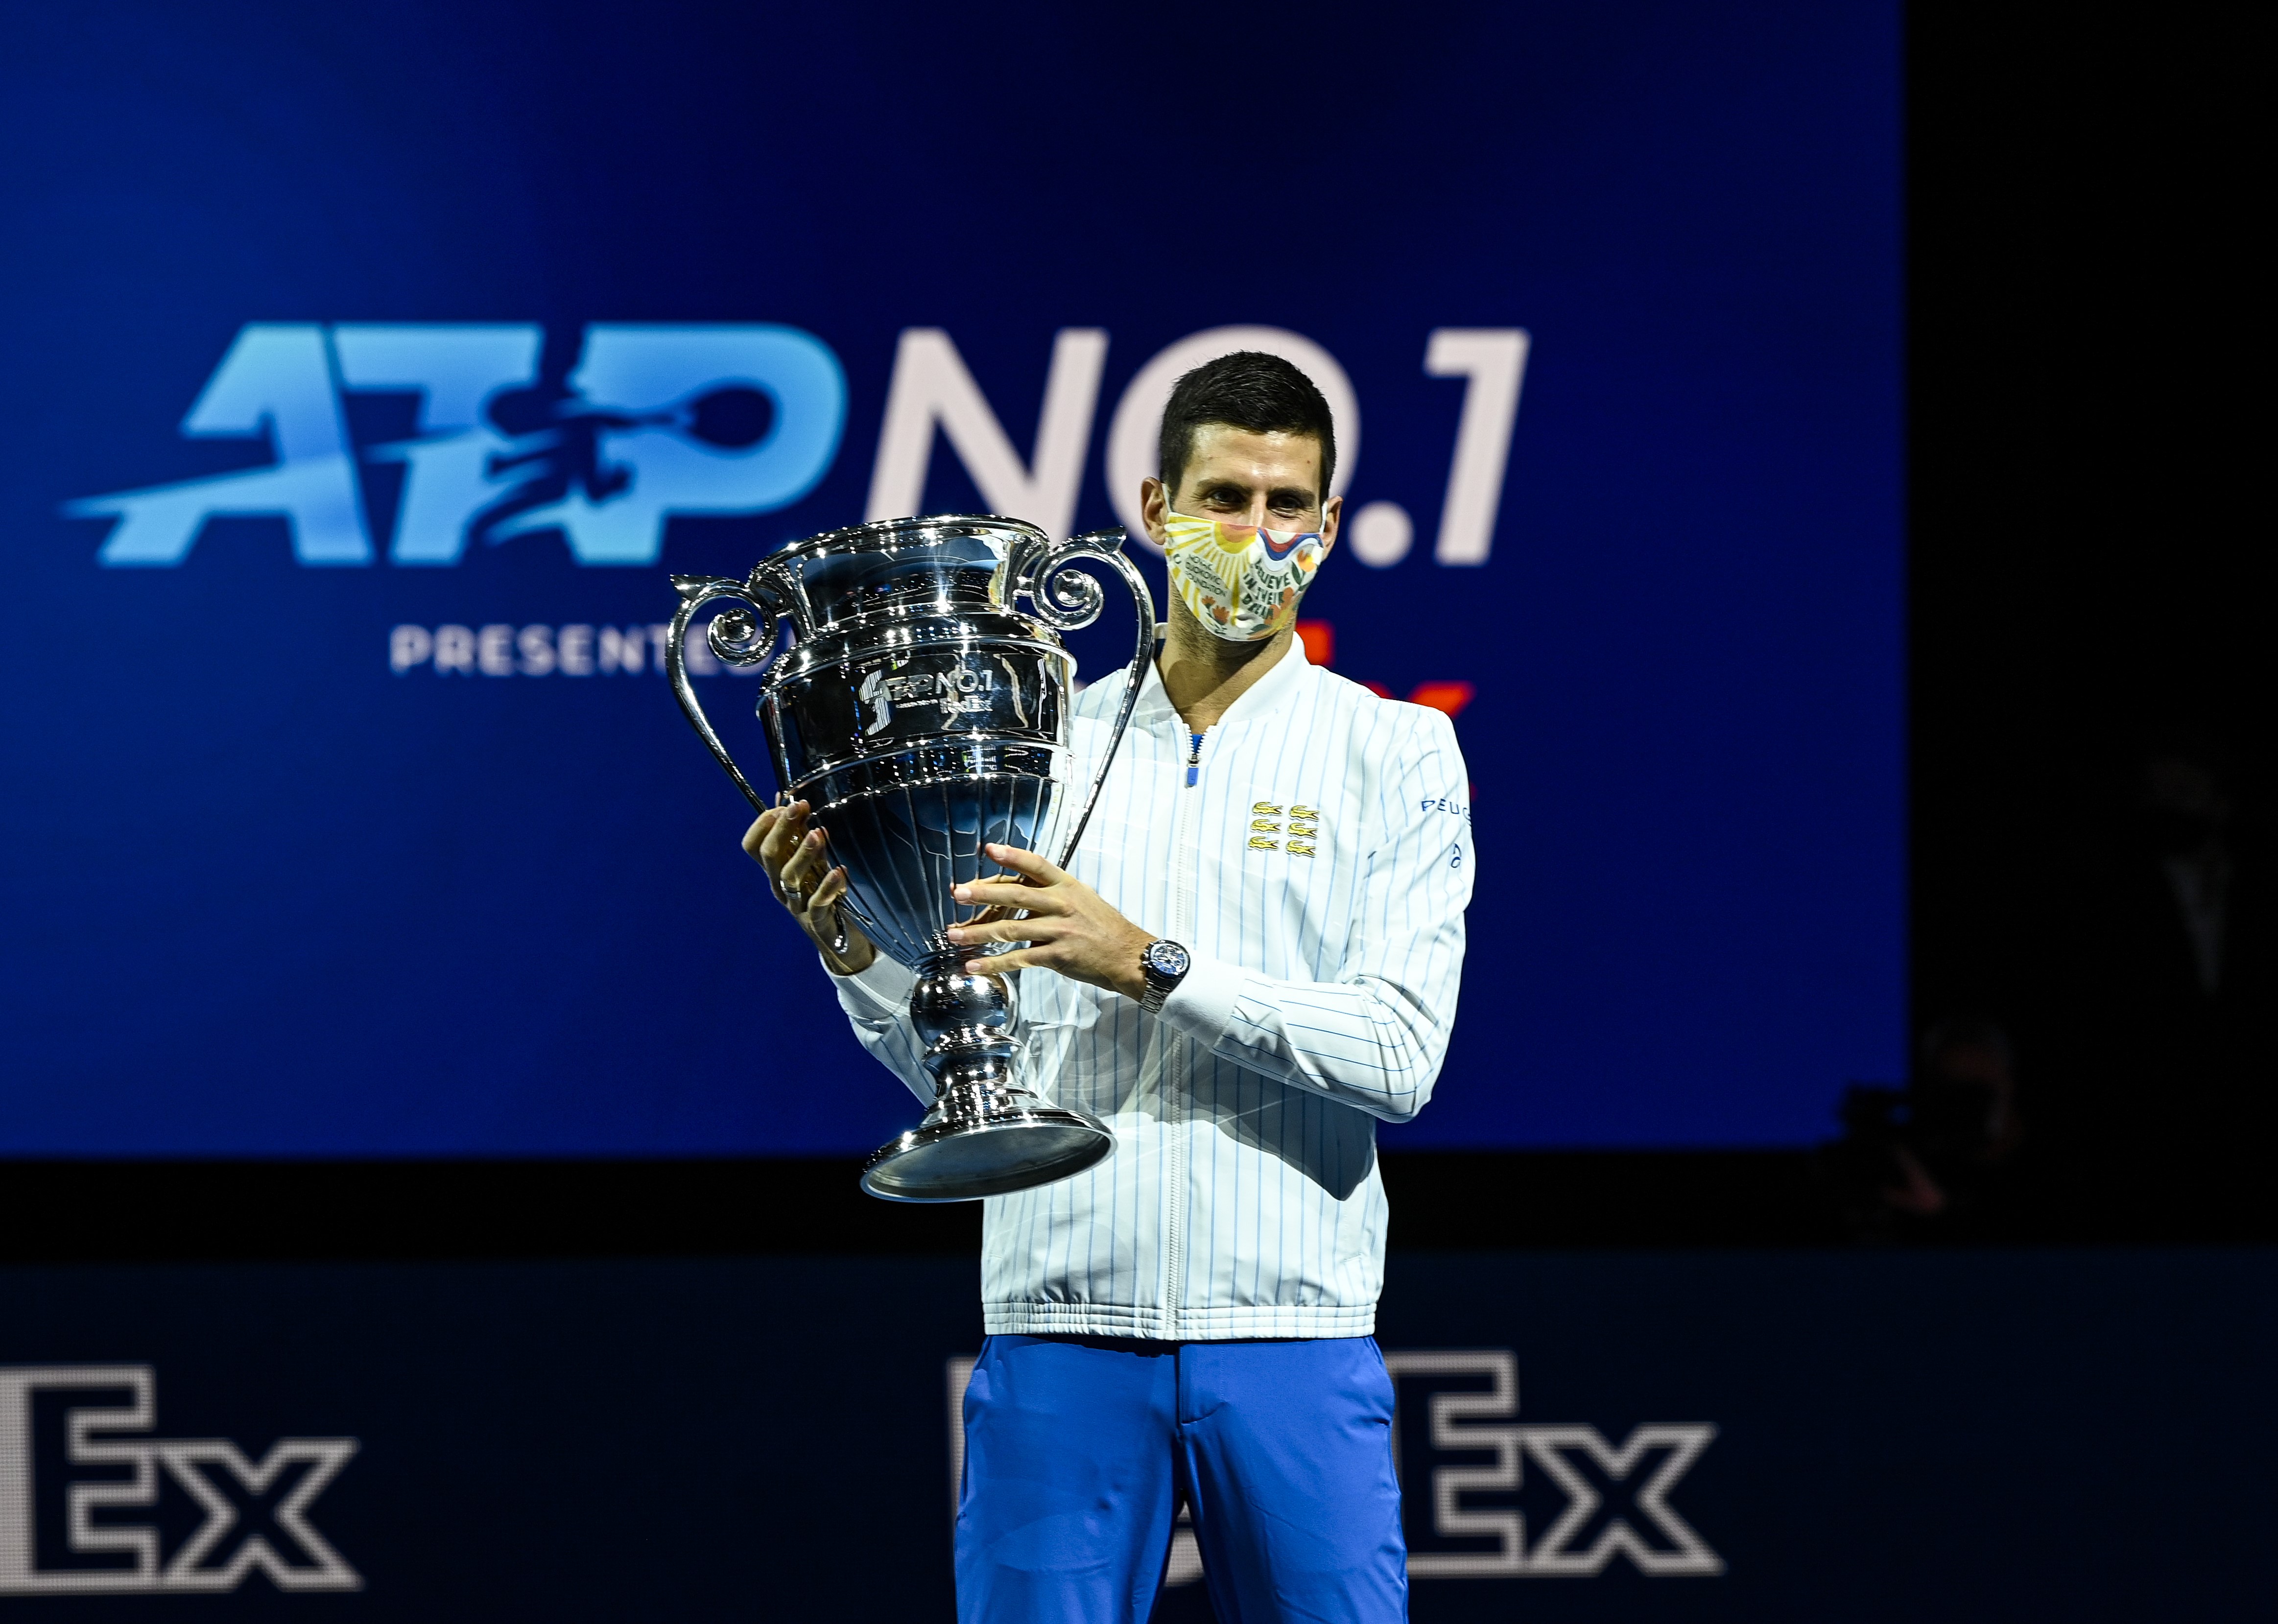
<point>2091,664</point>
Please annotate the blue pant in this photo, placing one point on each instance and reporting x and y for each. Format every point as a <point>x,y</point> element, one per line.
<point>1078,1453</point>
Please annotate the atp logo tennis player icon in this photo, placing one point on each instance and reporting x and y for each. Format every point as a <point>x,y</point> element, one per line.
<point>557,441</point>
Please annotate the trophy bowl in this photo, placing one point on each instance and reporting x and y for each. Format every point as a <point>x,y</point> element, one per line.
<point>922,716</point>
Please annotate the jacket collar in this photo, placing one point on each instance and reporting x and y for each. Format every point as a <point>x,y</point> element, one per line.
<point>1261,698</point>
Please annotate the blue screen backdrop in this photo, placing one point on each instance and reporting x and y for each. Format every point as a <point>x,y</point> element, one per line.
<point>370,369</point>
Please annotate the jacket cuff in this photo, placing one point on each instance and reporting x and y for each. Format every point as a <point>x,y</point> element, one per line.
<point>881,992</point>
<point>1201,1006</point>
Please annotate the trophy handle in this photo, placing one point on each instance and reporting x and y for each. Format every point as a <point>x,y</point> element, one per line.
<point>740,636</point>
<point>1067,598</point>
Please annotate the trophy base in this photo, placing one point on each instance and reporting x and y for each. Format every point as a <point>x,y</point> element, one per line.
<point>1015,1143</point>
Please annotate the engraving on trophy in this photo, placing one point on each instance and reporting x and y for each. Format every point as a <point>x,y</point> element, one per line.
<point>923,716</point>
<point>962,690</point>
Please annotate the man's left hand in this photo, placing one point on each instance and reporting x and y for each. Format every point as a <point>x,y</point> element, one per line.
<point>1070,928</point>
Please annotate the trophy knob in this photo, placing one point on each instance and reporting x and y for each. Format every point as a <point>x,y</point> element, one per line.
<point>954,1004</point>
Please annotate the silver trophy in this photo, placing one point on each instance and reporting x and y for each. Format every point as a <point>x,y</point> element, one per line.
<point>921,716</point>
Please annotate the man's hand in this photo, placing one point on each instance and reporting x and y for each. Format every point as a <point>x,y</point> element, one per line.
<point>1069,929</point>
<point>804,882</point>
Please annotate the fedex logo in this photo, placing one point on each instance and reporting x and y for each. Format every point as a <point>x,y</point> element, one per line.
<point>1471,1512</point>
<point>92,1502</point>
<point>656,420</point>
<point>1465,1496</point>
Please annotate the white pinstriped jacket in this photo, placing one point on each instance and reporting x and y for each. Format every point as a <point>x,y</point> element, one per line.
<point>1242,1197</point>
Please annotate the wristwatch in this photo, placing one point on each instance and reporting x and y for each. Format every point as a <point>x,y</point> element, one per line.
<point>1165,965</point>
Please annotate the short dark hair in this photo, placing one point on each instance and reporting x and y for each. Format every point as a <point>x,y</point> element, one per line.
<point>1249,390</point>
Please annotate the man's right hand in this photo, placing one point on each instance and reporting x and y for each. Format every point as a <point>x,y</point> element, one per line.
<point>800,874</point>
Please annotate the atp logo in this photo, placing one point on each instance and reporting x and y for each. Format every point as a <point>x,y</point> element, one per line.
<point>76,1452</point>
<point>653,420</point>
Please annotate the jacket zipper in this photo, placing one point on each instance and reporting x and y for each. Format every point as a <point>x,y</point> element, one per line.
<point>1173,1073</point>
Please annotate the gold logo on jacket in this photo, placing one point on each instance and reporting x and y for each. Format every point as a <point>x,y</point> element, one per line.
<point>1302,828</point>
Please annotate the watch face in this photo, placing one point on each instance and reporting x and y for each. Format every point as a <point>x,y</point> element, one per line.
<point>1166,958</point>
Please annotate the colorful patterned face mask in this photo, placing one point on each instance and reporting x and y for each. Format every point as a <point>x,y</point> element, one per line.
<point>1242,582</point>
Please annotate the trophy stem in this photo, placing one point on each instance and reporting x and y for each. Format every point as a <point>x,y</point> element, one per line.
<point>968,1023</point>
<point>986,1134</point>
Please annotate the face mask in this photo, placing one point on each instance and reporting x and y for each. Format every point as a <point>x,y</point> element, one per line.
<point>1242,582</point>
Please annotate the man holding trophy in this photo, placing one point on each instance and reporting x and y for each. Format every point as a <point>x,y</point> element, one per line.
<point>1251,957</point>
